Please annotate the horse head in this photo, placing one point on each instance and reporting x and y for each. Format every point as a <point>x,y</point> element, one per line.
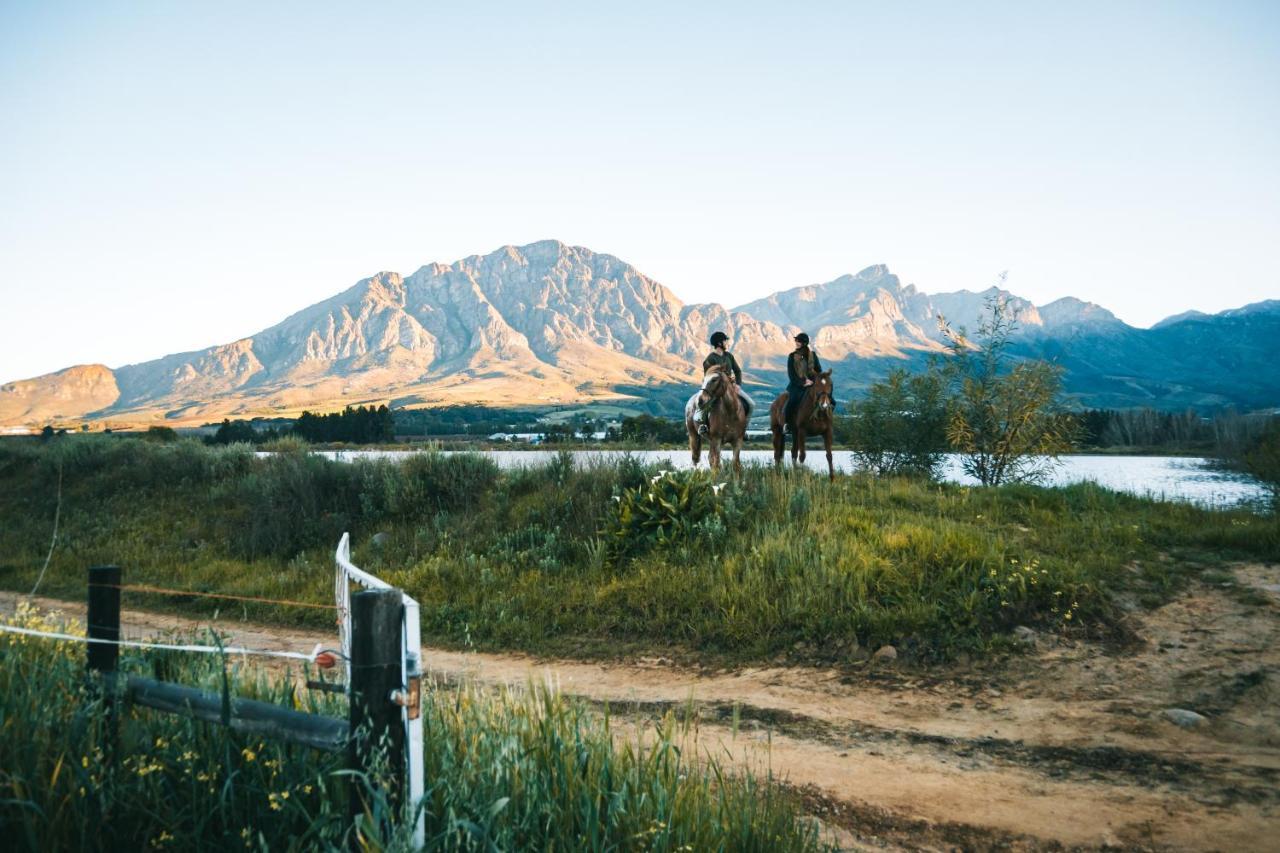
<point>717,381</point>
<point>823,389</point>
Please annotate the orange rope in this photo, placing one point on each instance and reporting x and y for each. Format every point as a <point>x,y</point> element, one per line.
<point>165,591</point>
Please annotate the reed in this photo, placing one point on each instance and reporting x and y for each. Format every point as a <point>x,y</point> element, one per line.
<point>518,769</point>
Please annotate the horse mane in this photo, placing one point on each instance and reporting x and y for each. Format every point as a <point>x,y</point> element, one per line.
<point>810,402</point>
<point>729,398</point>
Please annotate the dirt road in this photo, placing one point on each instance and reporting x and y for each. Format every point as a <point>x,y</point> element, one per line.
<point>1067,746</point>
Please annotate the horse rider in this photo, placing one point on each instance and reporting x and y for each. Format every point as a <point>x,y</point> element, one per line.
<point>802,368</point>
<point>720,356</point>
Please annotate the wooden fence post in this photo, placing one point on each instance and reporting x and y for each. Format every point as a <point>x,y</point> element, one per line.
<point>376,670</point>
<point>103,623</point>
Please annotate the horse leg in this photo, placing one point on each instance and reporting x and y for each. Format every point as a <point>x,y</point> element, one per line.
<point>695,447</point>
<point>826,442</point>
<point>797,449</point>
<point>779,444</point>
<point>737,451</point>
<point>713,452</point>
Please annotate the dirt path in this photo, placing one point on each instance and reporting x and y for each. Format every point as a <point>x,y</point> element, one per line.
<point>1066,746</point>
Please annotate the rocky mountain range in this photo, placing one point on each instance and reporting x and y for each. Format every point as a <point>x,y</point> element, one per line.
<point>548,324</point>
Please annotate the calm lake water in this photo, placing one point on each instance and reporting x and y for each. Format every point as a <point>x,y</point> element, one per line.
<point>1177,478</point>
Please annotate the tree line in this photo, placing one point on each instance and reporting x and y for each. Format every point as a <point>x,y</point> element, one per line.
<point>1006,419</point>
<point>352,425</point>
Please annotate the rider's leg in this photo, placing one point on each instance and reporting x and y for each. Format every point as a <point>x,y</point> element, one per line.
<point>794,396</point>
<point>702,414</point>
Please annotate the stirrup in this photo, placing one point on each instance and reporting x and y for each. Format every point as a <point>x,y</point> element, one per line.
<point>704,429</point>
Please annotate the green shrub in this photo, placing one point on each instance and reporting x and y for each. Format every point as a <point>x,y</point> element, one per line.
<point>1262,460</point>
<point>667,508</point>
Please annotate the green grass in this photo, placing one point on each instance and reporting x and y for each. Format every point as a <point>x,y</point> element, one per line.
<point>543,560</point>
<point>513,770</point>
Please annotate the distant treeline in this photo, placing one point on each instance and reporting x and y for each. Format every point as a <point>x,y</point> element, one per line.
<point>353,425</point>
<point>464,420</point>
<point>1223,434</point>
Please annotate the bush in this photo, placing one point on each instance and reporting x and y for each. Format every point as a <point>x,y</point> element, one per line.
<point>1003,418</point>
<point>899,428</point>
<point>161,434</point>
<point>1262,460</point>
<point>667,508</point>
<point>426,483</point>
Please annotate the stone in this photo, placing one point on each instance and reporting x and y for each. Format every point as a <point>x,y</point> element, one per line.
<point>1184,718</point>
<point>380,539</point>
<point>885,653</point>
<point>1026,635</point>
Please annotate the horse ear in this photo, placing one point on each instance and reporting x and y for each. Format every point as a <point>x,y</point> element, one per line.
<point>826,374</point>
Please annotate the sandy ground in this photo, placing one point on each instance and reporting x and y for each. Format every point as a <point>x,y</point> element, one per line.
<point>1064,747</point>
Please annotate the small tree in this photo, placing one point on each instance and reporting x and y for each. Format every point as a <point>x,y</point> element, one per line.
<point>1002,416</point>
<point>900,426</point>
<point>1262,460</point>
<point>162,434</point>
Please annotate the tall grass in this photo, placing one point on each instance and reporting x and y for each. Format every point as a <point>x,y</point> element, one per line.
<point>570,558</point>
<point>514,770</point>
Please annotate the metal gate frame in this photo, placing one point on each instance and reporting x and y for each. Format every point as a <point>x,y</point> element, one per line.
<point>410,697</point>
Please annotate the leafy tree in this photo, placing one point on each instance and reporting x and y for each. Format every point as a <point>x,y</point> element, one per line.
<point>359,425</point>
<point>234,432</point>
<point>900,426</point>
<point>161,434</point>
<point>1003,415</point>
<point>1262,460</point>
<point>650,429</point>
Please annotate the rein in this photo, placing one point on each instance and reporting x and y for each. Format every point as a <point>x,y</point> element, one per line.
<point>810,407</point>
<point>722,395</point>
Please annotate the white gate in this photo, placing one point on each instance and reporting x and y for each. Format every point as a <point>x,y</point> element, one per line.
<point>410,662</point>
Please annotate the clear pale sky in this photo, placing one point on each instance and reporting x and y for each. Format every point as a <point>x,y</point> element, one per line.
<point>176,175</point>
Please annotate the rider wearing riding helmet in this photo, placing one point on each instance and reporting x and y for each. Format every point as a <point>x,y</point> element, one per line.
<point>802,368</point>
<point>720,356</point>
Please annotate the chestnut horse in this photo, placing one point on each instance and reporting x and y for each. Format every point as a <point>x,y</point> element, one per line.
<point>726,421</point>
<point>816,416</point>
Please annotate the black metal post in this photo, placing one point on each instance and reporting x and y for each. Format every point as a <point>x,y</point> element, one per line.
<point>377,618</point>
<point>104,624</point>
<point>104,617</point>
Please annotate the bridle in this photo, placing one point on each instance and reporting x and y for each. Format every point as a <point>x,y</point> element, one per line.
<point>823,404</point>
<point>719,385</point>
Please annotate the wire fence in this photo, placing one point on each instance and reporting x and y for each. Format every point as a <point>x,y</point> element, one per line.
<point>175,647</point>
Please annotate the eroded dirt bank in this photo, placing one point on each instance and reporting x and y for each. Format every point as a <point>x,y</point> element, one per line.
<point>1068,746</point>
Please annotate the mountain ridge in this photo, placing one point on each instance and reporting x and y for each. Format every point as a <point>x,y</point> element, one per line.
<point>548,323</point>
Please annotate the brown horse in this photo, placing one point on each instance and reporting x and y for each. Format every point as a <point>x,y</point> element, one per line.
<point>816,416</point>
<point>726,421</point>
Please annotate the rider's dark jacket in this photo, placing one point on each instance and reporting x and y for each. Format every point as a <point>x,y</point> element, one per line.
<point>726,360</point>
<point>802,365</point>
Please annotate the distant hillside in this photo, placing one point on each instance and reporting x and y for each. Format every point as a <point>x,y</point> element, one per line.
<point>549,324</point>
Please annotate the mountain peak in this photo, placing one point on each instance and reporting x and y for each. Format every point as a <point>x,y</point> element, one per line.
<point>1069,311</point>
<point>547,322</point>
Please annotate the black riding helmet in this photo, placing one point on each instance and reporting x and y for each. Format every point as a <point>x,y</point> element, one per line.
<point>718,338</point>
